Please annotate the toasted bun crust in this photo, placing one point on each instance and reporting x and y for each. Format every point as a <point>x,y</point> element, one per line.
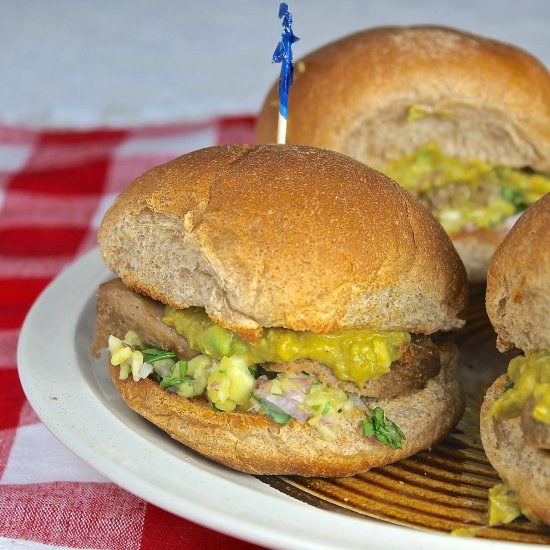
<point>524,467</point>
<point>255,444</point>
<point>483,99</point>
<point>518,292</point>
<point>288,236</point>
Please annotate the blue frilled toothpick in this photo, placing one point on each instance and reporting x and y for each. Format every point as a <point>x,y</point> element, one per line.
<point>283,55</point>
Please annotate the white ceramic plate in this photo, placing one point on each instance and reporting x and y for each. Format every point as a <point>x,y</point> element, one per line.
<point>92,421</point>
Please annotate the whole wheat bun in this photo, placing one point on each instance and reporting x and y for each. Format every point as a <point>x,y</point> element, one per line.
<point>481,99</point>
<point>484,99</point>
<point>255,444</point>
<point>523,467</point>
<point>288,236</point>
<point>518,282</point>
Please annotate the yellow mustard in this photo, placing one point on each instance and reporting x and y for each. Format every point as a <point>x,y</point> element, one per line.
<point>480,195</point>
<point>530,375</point>
<point>418,112</point>
<point>466,531</point>
<point>355,355</point>
<point>505,506</point>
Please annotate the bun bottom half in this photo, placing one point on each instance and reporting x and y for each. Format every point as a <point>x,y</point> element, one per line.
<point>524,467</point>
<point>254,444</point>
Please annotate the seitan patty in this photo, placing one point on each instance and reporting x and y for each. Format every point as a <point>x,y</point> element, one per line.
<point>420,362</point>
<point>120,309</point>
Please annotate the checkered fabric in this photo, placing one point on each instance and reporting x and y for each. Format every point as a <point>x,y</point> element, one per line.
<point>54,189</point>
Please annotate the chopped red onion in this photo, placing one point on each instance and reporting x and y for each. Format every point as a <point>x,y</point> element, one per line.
<point>295,396</point>
<point>255,406</point>
<point>327,420</point>
<point>263,387</point>
<point>145,370</point>
<point>162,368</point>
<point>288,406</point>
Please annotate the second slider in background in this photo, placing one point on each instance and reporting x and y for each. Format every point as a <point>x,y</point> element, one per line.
<point>460,120</point>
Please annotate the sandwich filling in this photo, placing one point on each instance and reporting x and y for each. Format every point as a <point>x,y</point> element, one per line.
<point>505,506</point>
<point>230,384</point>
<point>280,376</point>
<point>528,386</point>
<point>355,355</point>
<point>526,395</point>
<point>466,195</point>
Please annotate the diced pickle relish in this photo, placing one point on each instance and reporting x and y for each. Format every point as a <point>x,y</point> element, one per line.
<point>530,375</point>
<point>467,195</point>
<point>302,396</point>
<point>231,385</point>
<point>355,355</point>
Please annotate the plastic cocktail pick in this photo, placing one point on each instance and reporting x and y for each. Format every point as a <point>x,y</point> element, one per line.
<point>283,55</point>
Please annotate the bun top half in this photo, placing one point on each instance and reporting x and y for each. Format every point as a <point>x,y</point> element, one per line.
<point>288,236</point>
<point>381,93</point>
<point>518,282</point>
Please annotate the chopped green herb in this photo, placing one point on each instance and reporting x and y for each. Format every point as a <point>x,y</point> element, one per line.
<point>383,429</point>
<point>150,355</point>
<point>275,414</point>
<point>326,408</point>
<point>168,381</point>
<point>150,351</point>
<point>280,418</point>
<point>177,375</point>
<point>508,385</point>
<point>180,368</point>
<point>160,355</point>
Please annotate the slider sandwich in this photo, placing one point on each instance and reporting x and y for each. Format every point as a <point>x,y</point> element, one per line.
<point>274,310</point>
<point>461,121</point>
<point>515,417</point>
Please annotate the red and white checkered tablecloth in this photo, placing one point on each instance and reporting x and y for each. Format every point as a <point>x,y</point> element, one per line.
<point>54,189</point>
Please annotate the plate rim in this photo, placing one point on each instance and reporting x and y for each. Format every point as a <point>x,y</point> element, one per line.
<point>88,436</point>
